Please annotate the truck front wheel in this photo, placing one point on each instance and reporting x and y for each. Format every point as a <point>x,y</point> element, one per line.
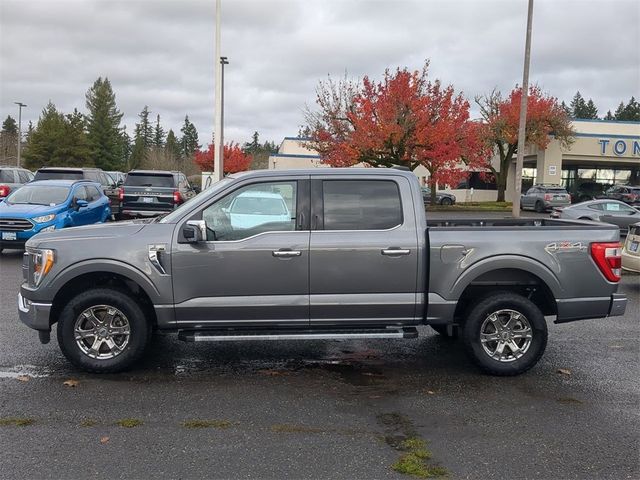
<point>103,330</point>
<point>505,334</point>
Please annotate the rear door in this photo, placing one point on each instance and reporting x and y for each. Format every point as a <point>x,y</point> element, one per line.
<point>363,251</point>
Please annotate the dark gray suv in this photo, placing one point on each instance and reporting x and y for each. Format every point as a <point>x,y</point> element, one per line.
<point>542,198</point>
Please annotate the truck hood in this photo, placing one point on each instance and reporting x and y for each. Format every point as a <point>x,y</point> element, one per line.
<point>103,231</point>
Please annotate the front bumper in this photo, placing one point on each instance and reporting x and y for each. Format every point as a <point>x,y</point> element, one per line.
<point>34,315</point>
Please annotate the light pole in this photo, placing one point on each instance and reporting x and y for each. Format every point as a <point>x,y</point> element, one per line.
<point>223,62</point>
<point>20,105</point>
<point>218,146</point>
<point>523,116</point>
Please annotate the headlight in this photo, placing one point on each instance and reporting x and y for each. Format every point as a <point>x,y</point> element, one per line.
<point>50,228</point>
<point>44,218</point>
<point>42,261</point>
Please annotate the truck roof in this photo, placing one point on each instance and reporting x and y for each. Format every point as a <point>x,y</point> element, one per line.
<point>383,172</point>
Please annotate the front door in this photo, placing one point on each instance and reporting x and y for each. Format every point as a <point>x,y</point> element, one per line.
<point>253,268</point>
<point>363,251</point>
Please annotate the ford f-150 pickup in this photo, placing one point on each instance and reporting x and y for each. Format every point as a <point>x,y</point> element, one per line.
<point>317,254</point>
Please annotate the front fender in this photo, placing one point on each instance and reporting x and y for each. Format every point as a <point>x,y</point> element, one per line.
<point>97,265</point>
<point>516,262</point>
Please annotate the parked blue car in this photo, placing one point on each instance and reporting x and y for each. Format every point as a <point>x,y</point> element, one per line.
<point>47,205</point>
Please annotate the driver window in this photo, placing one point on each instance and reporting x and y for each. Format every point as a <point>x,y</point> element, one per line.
<point>254,209</point>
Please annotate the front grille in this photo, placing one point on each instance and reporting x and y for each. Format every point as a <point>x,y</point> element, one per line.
<point>15,225</point>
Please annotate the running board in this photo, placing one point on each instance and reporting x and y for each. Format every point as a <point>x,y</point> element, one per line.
<point>309,334</point>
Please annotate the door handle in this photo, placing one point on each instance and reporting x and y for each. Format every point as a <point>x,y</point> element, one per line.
<point>395,251</point>
<point>286,253</point>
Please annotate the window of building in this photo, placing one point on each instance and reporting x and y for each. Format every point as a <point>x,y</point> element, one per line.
<point>361,204</point>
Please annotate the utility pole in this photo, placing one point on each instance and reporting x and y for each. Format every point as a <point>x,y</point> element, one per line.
<point>223,62</point>
<point>20,105</point>
<point>218,147</point>
<point>523,116</point>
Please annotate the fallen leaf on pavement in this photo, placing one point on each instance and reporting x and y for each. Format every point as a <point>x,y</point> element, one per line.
<point>430,392</point>
<point>71,383</point>
<point>104,440</point>
<point>23,378</point>
<point>564,371</point>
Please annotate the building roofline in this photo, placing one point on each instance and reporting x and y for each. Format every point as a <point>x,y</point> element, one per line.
<point>607,135</point>
<point>294,155</point>
<point>599,120</point>
<point>302,139</point>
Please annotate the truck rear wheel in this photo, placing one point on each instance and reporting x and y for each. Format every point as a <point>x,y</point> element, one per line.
<point>103,330</point>
<point>505,334</point>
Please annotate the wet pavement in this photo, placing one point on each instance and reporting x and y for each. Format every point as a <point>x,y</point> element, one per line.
<point>321,409</point>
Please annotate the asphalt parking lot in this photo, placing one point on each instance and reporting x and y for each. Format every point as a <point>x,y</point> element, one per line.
<point>321,409</point>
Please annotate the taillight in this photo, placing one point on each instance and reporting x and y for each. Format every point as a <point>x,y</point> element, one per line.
<point>548,197</point>
<point>121,194</point>
<point>4,190</point>
<point>177,198</point>
<point>608,258</point>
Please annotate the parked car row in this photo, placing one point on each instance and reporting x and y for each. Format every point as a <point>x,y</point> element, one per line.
<point>30,204</point>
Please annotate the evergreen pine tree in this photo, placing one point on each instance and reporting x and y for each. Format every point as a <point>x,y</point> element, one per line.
<point>125,147</point>
<point>619,112</point>
<point>158,134</point>
<point>10,126</point>
<point>563,105</point>
<point>138,153</point>
<point>45,138</point>
<point>578,106</point>
<point>103,125</point>
<point>189,140</point>
<point>144,130</point>
<point>591,111</point>
<point>253,146</point>
<point>172,146</point>
<point>74,148</point>
<point>631,112</point>
<point>609,116</point>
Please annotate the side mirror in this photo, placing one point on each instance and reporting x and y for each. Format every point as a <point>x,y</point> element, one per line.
<point>194,231</point>
<point>81,204</point>
<point>196,189</point>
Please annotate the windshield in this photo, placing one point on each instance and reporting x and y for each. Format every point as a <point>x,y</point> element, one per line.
<point>38,195</point>
<point>149,180</point>
<point>259,206</point>
<point>58,175</point>
<point>187,206</point>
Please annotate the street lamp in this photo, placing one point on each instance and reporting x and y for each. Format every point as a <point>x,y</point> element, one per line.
<point>223,62</point>
<point>217,153</point>
<point>20,105</point>
<point>523,116</point>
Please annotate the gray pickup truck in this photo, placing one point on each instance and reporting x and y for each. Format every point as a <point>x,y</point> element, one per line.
<point>317,254</point>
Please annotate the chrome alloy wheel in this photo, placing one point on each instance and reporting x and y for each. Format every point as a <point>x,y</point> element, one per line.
<point>102,332</point>
<point>506,335</point>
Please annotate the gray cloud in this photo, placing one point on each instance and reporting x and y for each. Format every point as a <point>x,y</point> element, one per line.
<point>160,53</point>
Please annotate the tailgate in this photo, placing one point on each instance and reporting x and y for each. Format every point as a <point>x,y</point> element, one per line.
<point>148,198</point>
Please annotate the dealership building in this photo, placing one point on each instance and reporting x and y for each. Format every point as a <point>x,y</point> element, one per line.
<point>604,152</point>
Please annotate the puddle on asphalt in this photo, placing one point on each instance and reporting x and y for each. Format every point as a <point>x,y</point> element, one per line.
<point>32,371</point>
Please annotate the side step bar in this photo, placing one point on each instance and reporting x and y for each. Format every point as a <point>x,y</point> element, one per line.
<point>307,334</point>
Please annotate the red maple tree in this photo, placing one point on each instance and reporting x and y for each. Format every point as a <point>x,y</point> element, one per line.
<point>234,159</point>
<point>405,119</point>
<point>546,119</point>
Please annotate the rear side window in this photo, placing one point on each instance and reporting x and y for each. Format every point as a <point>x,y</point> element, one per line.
<point>24,176</point>
<point>6,176</point>
<point>146,180</point>
<point>361,204</point>
<point>556,190</point>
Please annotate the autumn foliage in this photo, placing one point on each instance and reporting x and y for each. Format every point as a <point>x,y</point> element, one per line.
<point>235,160</point>
<point>546,119</point>
<point>405,119</point>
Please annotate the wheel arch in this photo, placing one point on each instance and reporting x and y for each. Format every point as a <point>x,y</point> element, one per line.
<point>111,274</point>
<point>516,274</point>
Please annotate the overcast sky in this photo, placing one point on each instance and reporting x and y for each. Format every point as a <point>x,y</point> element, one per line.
<point>160,53</point>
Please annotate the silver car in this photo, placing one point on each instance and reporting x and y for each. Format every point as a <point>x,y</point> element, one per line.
<point>545,197</point>
<point>12,178</point>
<point>607,211</point>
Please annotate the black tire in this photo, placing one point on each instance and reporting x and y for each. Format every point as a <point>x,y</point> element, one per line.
<point>481,313</point>
<point>442,330</point>
<point>446,201</point>
<point>539,207</point>
<point>140,330</point>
